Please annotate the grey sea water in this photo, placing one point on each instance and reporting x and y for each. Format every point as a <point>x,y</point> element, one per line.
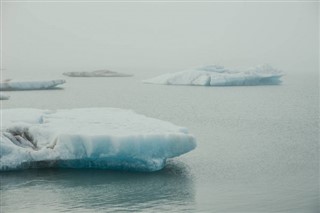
<point>258,149</point>
<point>258,146</point>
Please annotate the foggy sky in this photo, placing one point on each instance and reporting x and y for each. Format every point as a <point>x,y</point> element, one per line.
<point>135,36</point>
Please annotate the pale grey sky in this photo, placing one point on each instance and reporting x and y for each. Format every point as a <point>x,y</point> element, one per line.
<point>162,36</point>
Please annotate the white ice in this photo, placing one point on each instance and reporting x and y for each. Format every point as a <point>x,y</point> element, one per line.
<point>97,73</point>
<point>214,75</point>
<point>104,138</point>
<point>29,85</point>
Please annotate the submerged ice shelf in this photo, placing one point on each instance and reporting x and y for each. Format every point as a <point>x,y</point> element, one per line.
<point>214,75</point>
<point>104,138</point>
<point>29,85</point>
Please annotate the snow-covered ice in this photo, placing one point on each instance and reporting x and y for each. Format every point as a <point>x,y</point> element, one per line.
<point>97,73</point>
<point>4,97</point>
<point>214,75</point>
<point>29,85</point>
<point>105,138</point>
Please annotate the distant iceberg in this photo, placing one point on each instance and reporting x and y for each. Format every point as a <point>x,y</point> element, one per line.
<point>29,85</point>
<point>4,97</point>
<point>103,138</point>
<point>97,73</point>
<point>214,75</point>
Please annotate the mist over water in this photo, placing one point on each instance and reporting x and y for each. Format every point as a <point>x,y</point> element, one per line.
<point>166,37</point>
<point>258,147</point>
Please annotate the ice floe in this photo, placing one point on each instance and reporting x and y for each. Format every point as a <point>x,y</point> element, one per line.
<point>104,138</point>
<point>97,73</point>
<point>214,75</point>
<point>29,85</point>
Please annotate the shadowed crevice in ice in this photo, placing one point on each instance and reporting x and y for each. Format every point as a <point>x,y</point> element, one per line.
<point>30,85</point>
<point>20,137</point>
<point>96,73</point>
<point>89,138</point>
<point>214,75</point>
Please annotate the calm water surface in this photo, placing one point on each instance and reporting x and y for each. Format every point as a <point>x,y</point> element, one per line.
<point>257,150</point>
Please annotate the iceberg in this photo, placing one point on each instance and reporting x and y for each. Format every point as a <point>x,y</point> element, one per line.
<point>214,75</point>
<point>4,97</point>
<point>29,85</point>
<point>104,138</point>
<point>97,73</point>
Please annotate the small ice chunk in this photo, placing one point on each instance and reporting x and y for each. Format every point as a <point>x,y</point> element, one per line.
<point>4,97</point>
<point>96,73</point>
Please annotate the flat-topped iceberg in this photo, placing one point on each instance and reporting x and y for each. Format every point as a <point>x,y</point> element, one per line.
<point>29,85</point>
<point>96,73</point>
<point>214,75</point>
<point>104,138</point>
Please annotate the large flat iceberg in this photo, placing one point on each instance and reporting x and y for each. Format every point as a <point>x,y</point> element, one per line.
<point>29,85</point>
<point>214,75</point>
<point>105,138</point>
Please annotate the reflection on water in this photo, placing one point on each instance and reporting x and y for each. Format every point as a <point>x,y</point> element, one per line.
<point>84,190</point>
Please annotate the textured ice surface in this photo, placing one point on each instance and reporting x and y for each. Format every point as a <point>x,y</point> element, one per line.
<point>29,85</point>
<point>89,138</point>
<point>4,97</point>
<point>214,75</point>
<point>97,73</point>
